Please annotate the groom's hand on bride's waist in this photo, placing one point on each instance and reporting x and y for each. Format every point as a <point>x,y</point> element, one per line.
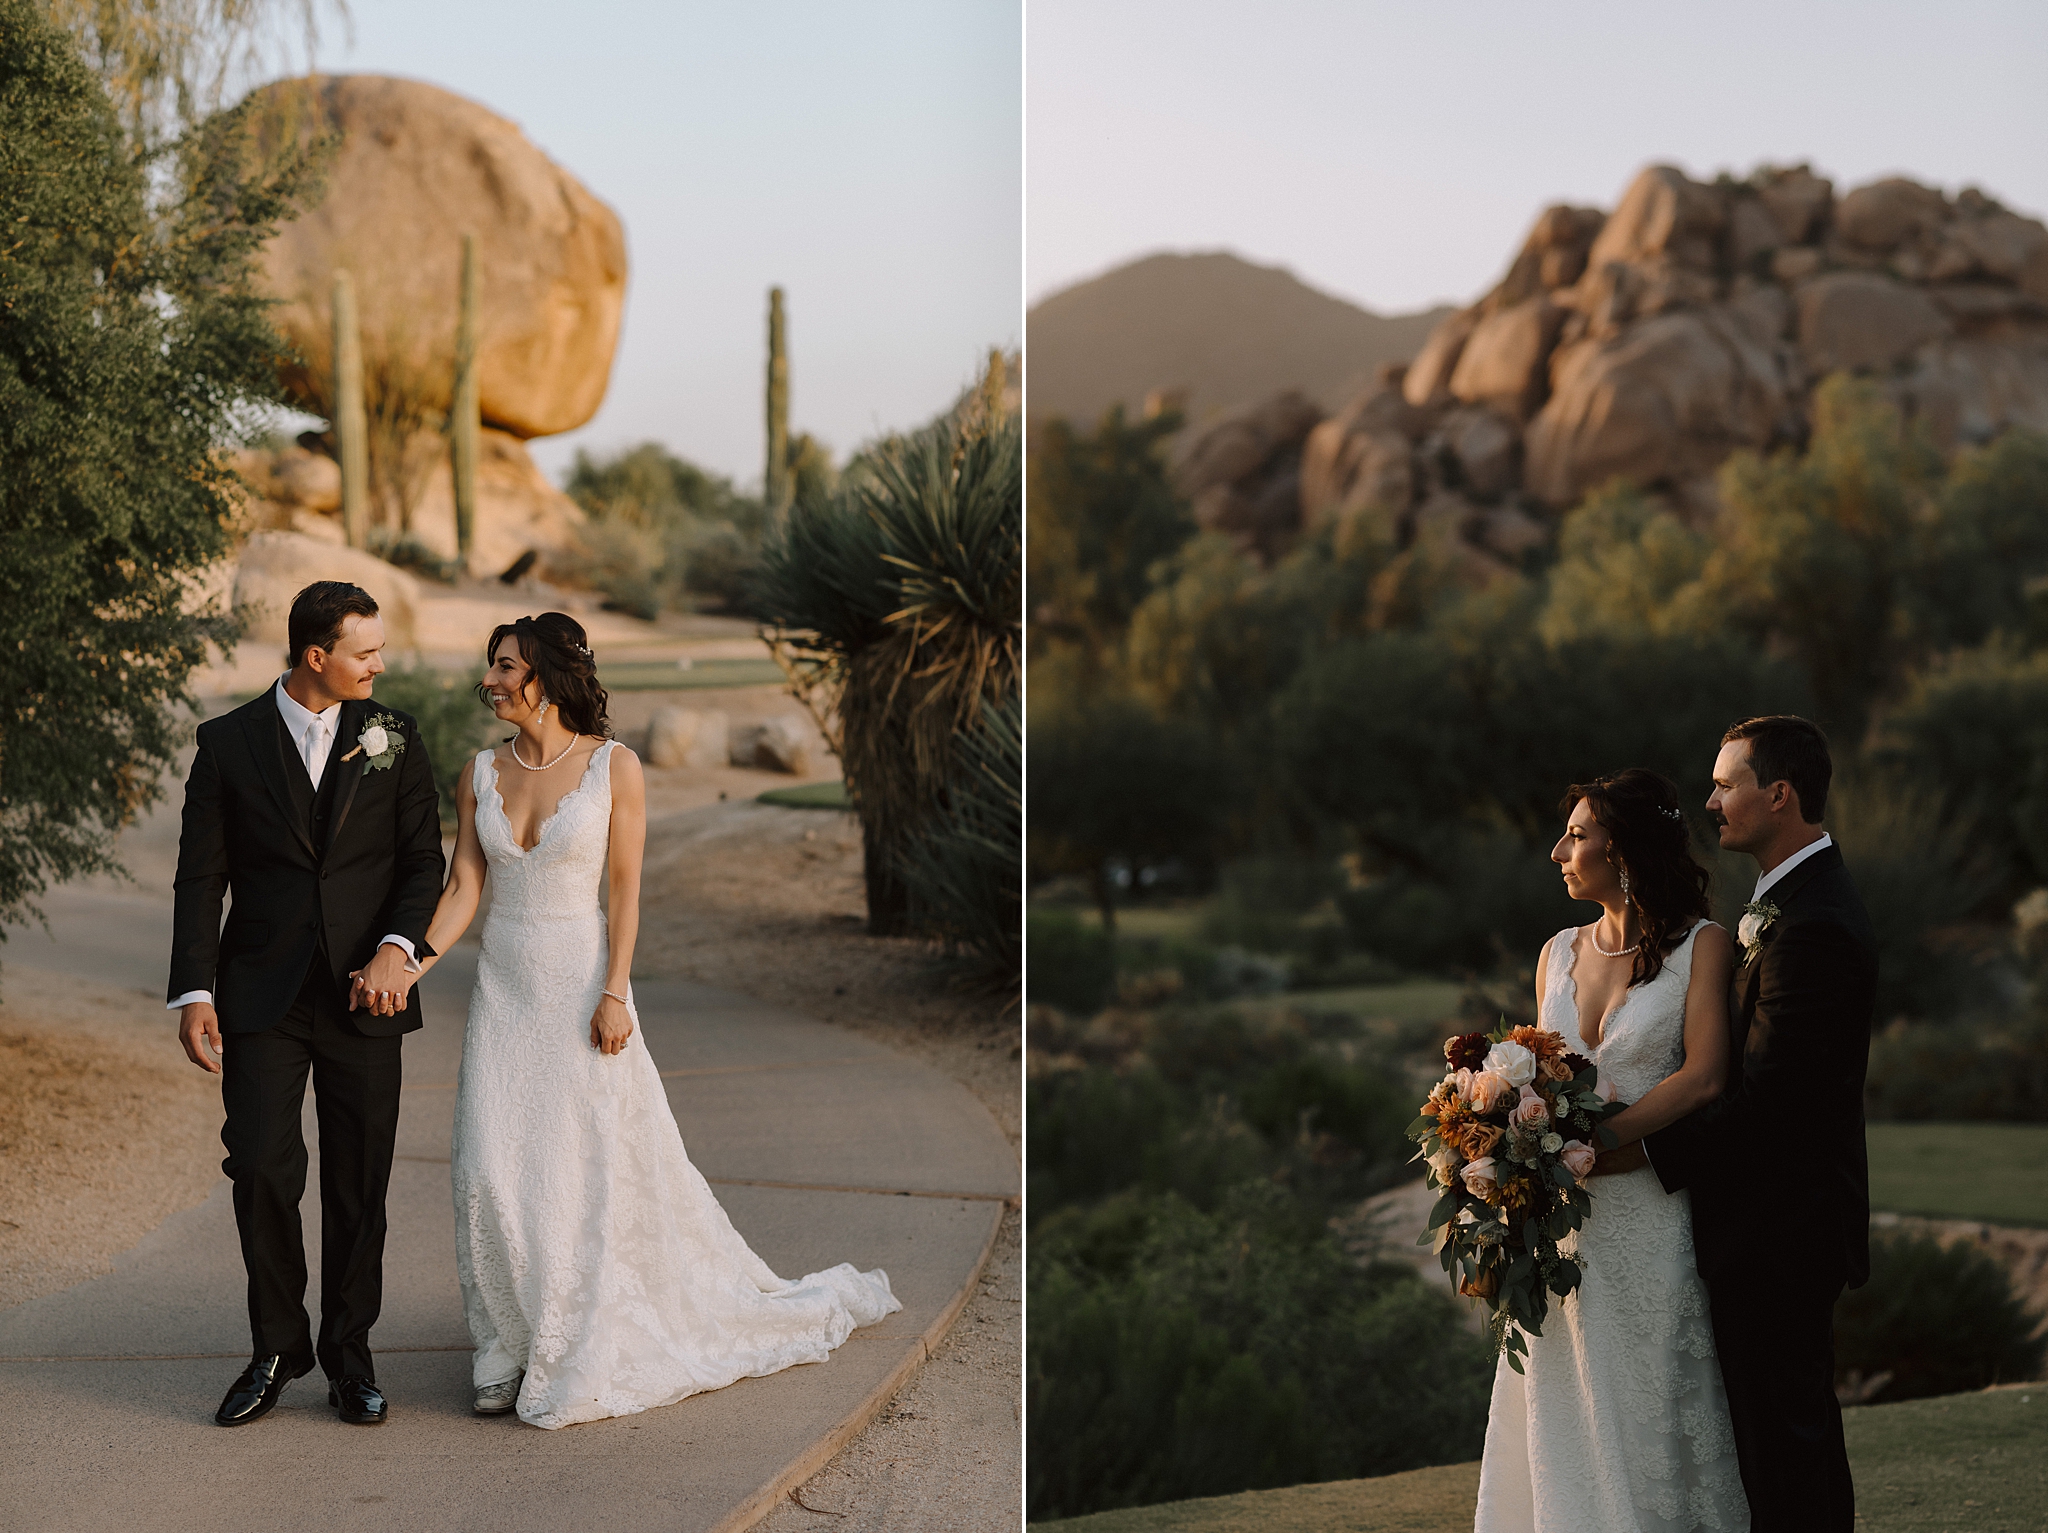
<point>197,1022</point>
<point>382,985</point>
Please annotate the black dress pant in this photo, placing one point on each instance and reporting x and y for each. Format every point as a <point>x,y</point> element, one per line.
<point>1776,1342</point>
<point>355,1091</point>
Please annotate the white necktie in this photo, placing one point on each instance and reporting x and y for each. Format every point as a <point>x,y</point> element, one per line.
<point>315,757</point>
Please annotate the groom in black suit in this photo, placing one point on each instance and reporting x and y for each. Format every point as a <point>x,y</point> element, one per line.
<point>317,810</point>
<point>1776,1166</point>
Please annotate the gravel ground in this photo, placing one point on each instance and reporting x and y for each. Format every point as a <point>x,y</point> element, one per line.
<point>93,1087</point>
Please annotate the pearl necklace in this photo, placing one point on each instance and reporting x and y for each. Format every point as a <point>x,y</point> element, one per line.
<point>570,747</point>
<point>1592,933</point>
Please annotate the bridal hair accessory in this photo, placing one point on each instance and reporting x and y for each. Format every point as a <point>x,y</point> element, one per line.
<point>1672,814</point>
<point>1757,917</point>
<point>1509,1136</point>
<point>379,744</point>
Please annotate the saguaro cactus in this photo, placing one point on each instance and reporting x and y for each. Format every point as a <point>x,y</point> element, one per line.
<point>775,482</point>
<point>464,414</point>
<point>351,426</point>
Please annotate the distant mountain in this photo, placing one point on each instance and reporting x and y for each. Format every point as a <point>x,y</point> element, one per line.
<point>1225,330</point>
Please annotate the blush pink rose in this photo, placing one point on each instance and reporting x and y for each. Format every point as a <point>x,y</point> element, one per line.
<point>1577,1156</point>
<point>1479,1178</point>
<point>1486,1090</point>
<point>1532,1112</point>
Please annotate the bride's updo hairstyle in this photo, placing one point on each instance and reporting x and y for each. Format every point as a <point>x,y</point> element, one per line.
<point>1648,843</point>
<point>558,651</point>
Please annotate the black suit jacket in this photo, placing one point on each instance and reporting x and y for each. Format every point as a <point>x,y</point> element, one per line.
<point>331,877</point>
<point>1777,1165</point>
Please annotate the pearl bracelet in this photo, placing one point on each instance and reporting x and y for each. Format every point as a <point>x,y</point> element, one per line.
<point>619,998</point>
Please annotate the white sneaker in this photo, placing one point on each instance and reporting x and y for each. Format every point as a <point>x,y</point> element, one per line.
<point>497,1399</point>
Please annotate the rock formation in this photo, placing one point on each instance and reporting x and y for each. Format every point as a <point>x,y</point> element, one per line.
<point>276,566</point>
<point>417,167</point>
<point>1648,344</point>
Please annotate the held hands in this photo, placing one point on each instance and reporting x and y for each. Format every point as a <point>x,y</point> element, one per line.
<point>382,985</point>
<point>610,1025</point>
<point>198,1021</point>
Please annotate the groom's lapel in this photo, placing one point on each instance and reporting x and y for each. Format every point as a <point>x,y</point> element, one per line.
<point>265,729</point>
<point>345,734</point>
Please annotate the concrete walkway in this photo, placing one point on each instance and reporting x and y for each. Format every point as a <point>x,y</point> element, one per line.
<point>822,1146</point>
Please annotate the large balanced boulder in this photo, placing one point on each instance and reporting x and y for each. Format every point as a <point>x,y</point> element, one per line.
<point>275,566</point>
<point>417,168</point>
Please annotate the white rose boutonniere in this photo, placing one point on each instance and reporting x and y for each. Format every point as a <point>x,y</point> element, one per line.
<point>1757,917</point>
<point>379,744</point>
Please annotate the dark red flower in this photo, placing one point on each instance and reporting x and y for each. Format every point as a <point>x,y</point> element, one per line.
<point>1467,1051</point>
<point>1579,1064</point>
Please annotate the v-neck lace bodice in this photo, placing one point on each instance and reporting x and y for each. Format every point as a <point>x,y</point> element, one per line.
<point>1643,1038</point>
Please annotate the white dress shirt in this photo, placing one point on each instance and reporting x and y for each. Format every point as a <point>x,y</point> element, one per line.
<point>1777,873</point>
<point>313,734</point>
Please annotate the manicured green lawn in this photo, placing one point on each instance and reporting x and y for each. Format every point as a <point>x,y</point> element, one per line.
<point>1988,1171</point>
<point>1976,1462</point>
<point>660,676</point>
<point>812,795</point>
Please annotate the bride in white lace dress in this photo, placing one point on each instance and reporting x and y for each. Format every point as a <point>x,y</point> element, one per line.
<point>599,1275</point>
<point>1619,1423</point>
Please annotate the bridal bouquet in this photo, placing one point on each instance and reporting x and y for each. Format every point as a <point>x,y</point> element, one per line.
<point>1509,1136</point>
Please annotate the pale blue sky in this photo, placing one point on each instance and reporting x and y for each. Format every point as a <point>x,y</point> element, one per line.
<point>1395,152</point>
<point>867,157</point>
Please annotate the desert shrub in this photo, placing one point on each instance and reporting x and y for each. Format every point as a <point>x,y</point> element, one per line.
<point>454,725</point>
<point>1195,1100</point>
<point>1962,1070</point>
<point>1068,963</point>
<point>621,559</point>
<point>1940,1319</point>
<point>680,529</point>
<point>1178,1353</point>
<point>405,550</point>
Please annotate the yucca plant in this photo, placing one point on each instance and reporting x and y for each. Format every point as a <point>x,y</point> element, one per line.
<point>894,603</point>
<point>964,864</point>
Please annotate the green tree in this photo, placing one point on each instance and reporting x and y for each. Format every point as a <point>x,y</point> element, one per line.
<point>1102,516</point>
<point>662,526</point>
<point>132,345</point>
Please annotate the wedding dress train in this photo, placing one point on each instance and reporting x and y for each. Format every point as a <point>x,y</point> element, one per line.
<point>1619,1424</point>
<point>592,1254</point>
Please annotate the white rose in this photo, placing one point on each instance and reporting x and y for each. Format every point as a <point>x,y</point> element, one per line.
<point>1512,1063</point>
<point>1445,1164</point>
<point>374,740</point>
<point>1552,1143</point>
<point>1749,928</point>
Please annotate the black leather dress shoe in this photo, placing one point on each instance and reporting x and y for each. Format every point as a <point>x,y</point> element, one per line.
<point>361,1403</point>
<point>257,1390</point>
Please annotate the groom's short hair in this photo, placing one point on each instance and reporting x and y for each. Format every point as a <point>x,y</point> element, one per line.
<point>319,611</point>
<point>1783,747</point>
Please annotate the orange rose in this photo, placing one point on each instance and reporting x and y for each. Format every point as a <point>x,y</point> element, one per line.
<point>1554,1069</point>
<point>1486,1286</point>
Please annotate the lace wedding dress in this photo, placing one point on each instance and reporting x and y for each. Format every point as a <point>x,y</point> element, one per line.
<point>592,1254</point>
<point>1619,1424</point>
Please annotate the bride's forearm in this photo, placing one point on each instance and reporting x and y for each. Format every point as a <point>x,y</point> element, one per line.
<point>623,931</point>
<point>1663,1105</point>
<point>453,915</point>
